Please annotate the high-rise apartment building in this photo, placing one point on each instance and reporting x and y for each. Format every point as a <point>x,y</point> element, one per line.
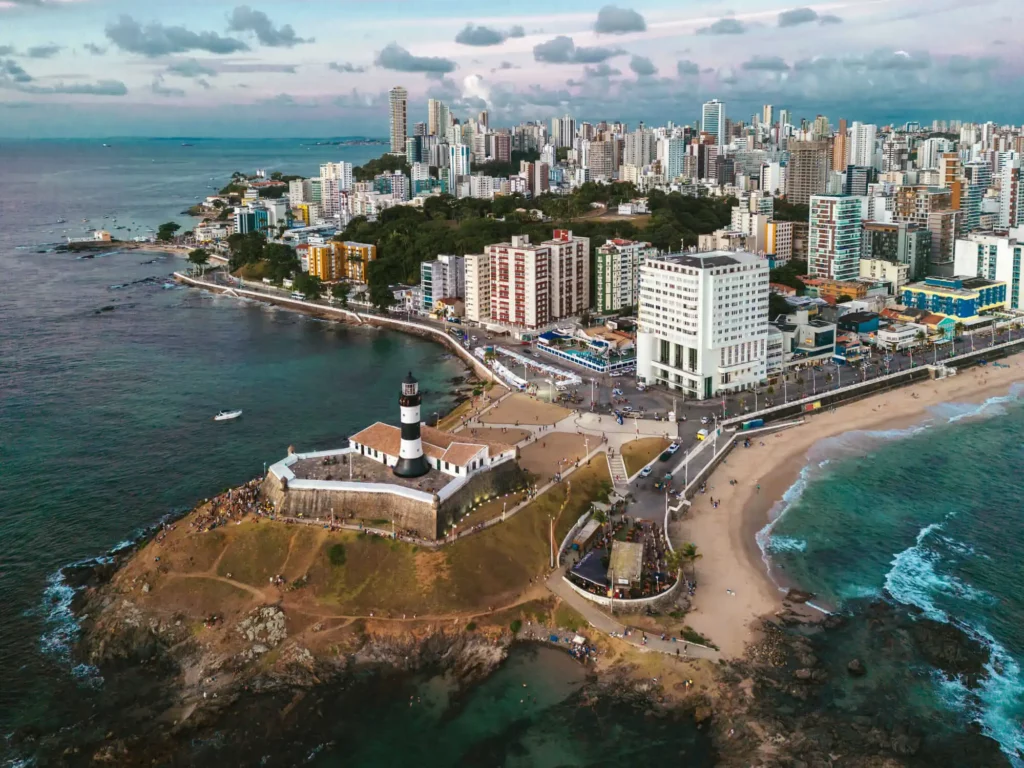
<point>839,147</point>
<point>638,148</point>
<point>703,322</point>
<point>533,286</point>
<point>1011,185</point>
<point>601,159</point>
<point>617,273</point>
<point>862,144</point>
<point>478,287</point>
<point>438,117</point>
<point>906,244</point>
<point>442,278</point>
<point>675,157</point>
<point>459,161</point>
<point>833,244</point>
<point>398,99</point>
<point>993,257</point>
<point>822,129</point>
<point>340,172</point>
<point>807,172</point>
<point>768,116</point>
<point>712,120</point>
<point>950,173</point>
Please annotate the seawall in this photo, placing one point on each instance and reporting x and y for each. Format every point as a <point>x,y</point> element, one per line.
<point>351,317</point>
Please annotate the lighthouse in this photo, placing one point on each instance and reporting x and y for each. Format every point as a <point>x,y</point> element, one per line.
<point>411,462</point>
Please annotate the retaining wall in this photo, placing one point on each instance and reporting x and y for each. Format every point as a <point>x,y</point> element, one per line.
<point>629,606</point>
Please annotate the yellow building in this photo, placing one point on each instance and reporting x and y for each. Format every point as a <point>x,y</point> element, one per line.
<point>353,259</point>
<point>301,212</point>
<point>322,262</point>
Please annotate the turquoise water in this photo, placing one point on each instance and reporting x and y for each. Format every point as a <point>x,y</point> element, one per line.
<point>932,517</point>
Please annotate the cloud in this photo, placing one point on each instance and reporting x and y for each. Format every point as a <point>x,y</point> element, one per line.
<point>687,68</point>
<point>963,65</point>
<point>505,65</point>
<point>397,58</point>
<point>471,35</point>
<point>11,72</point>
<point>94,49</point>
<point>562,50</point>
<point>245,19</point>
<point>43,51</point>
<point>287,69</point>
<point>898,60</point>
<point>726,26</point>
<point>361,100</point>
<point>155,39</point>
<point>13,77</point>
<point>160,89</point>
<point>601,70</point>
<point>345,66</point>
<point>797,16</point>
<point>766,64</point>
<point>829,18</point>
<point>204,83</point>
<point>6,50</point>
<point>642,66</point>
<point>612,20</point>
<point>190,68</point>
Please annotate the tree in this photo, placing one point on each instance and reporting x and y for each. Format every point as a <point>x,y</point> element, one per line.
<point>308,285</point>
<point>199,257</point>
<point>600,516</point>
<point>165,232</point>
<point>340,291</point>
<point>777,305</point>
<point>843,298</point>
<point>674,561</point>
<point>691,555</point>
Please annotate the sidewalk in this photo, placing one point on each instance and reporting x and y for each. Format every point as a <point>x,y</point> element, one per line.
<point>602,622</point>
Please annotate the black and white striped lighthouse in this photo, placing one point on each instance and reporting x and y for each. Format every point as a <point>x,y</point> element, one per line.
<point>411,462</point>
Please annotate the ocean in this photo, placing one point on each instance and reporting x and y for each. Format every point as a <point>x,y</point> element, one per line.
<point>930,517</point>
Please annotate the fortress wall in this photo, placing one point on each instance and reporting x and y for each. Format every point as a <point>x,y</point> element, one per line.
<point>502,479</point>
<point>348,505</point>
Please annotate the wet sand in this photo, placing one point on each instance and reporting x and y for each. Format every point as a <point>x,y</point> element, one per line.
<point>734,587</point>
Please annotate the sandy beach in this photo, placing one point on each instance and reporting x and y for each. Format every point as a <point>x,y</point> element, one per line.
<point>734,588</point>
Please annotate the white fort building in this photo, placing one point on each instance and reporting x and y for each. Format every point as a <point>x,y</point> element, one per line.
<point>703,322</point>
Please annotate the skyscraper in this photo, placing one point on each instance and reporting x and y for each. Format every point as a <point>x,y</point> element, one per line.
<point>822,130</point>
<point>839,148</point>
<point>862,144</point>
<point>768,115</point>
<point>713,120</point>
<point>807,172</point>
<point>438,117</point>
<point>833,242</point>
<point>399,99</point>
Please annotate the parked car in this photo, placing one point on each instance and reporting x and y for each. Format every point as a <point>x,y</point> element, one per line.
<point>646,472</point>
<point>704,420</point>
<point>672,448</point>
<point>665,456</point>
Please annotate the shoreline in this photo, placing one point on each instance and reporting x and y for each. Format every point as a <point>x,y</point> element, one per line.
<point>476,371</point>
<point>738,589</point>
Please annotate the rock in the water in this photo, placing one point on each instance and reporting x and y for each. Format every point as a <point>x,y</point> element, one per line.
<point>799,596</point>
<point>856,668</point>
<point>803,674</point>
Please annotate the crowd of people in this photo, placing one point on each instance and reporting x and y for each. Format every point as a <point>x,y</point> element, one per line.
<point>232,505</point>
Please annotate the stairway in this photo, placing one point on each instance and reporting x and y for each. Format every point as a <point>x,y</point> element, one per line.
<point>618,469</point>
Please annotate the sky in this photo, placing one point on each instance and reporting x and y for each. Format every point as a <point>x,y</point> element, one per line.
<point>312,68</point>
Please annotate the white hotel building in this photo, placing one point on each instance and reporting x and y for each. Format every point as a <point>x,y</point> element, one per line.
<point>703,322</point>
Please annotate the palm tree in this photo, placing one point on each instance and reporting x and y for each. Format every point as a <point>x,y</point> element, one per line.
<point>199,257</point>
<point>690,554</point>
<point>674,561</point>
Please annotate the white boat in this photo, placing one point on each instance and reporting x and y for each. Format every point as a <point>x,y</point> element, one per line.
<point>227,415</point>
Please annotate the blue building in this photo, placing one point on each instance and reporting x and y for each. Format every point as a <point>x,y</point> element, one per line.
<point>961,297</point>
<point>859,322</point>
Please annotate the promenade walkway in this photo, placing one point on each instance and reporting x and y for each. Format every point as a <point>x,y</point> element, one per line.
<point>602,622</point>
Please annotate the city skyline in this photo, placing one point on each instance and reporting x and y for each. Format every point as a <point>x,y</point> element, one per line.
<point>228,69</point>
